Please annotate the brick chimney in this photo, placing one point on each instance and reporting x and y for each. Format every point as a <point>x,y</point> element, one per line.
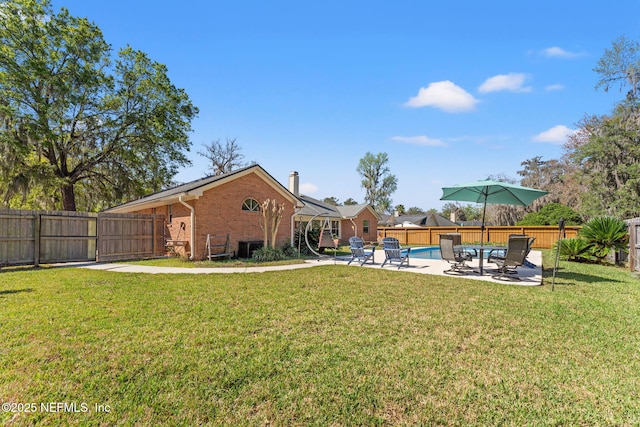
<point>294,183</point>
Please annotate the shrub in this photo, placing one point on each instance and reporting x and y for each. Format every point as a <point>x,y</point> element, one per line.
<point>289,251</point>
<point>314,238</point>
<point>266,254</point>
<point>605,234</point>
<point>550,214</point>
<point>575,249</point>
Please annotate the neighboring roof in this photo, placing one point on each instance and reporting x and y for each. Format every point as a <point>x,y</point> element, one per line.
<point>313,207</point>
<point>474,223</point>
<point>194,189</point>
<point>435,220</point>
<point>423,220</point>
<point>352,211</point>
<point>387,220</point>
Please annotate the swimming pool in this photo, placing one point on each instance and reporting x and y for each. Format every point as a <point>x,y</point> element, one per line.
<point>433,252</point>
<point>426,253</point>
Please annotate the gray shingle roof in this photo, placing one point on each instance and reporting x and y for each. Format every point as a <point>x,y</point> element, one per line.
<point>312,207</point>
<point>316,207</point>
<point>189,187</point>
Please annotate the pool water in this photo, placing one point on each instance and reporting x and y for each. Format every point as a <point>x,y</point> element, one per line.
<point>426,253</point>
<point>433,252</point>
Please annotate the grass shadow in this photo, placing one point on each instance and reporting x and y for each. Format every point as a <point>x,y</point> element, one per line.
<point>15,291</point>
<point>582,277</point>
<point>4,269</point>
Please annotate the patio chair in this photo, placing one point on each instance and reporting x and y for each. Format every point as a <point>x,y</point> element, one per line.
<point>394,253</point>
<point>499,254</point>
<point>457,245</point>
<point>517,251</point>
<point>358,252</point>
<point>457,260</point>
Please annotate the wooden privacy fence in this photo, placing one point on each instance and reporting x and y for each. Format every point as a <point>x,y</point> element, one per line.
<point>634,244</point>
<point>130,236</point>
<point>546,236</point>
<point>42,237</point>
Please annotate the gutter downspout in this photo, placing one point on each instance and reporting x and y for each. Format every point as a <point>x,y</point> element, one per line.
<point>296,210</point>
<point>293,228</point>
<point>355,226</point>
<point>193,227</point>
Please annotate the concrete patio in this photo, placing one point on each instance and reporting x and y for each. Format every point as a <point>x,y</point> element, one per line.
<point>528,276</point>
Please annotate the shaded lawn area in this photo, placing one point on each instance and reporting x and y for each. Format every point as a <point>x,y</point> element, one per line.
<point>332,345</point>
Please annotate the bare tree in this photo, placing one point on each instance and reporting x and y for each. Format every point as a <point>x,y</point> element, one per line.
<point>620,65</point>
<point>271,217</point>
<point>225,157</point>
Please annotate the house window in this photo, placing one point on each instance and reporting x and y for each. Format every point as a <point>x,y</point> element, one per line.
<point>251,205</point>
<point>170,213</point>
<point>365,226</point>
<point>335,228</point>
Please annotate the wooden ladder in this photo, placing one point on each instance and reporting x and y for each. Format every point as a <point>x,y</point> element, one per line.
<point>226,245</point>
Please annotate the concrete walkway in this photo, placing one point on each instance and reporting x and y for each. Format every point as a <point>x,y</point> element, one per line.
<point>528,276</point>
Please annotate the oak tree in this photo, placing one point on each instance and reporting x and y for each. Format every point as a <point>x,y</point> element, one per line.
<point>77,119</point>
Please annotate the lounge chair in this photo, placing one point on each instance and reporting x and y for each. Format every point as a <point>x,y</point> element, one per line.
<point>394,253</point>
<point>499,254</point>
<point>517,251</point>
<point>457,260</point>
<point>358,252</point>
<point>457,245</point>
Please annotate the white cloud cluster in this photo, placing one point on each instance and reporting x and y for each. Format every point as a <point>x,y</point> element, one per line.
<point>420,140</point>
<point>556,135</point>
<point>444,95</point>
<point>550,88</point>
<point>308,188</point>
<point>558,52</point>
<point>512,82</point>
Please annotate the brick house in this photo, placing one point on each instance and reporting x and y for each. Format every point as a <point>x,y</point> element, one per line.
<point>229,205</point>
<point>345,221</point>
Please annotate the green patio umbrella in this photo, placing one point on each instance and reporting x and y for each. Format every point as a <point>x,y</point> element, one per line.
<point>494,192</point>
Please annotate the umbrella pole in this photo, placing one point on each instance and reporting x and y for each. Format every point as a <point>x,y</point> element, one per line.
<point>555,265</point>
<point>484,212</point>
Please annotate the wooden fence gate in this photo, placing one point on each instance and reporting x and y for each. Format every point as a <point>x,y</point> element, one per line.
<point>44,237</point>
<point>129,236</point>
<point>634,244</point>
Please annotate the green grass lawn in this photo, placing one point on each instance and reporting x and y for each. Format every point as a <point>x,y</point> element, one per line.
<point>332,345</point>
<point>234,262</point>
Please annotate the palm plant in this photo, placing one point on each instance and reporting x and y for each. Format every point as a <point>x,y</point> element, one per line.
<point>575,249</point>
<point>605,234</point>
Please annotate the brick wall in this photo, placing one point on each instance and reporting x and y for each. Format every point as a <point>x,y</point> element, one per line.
<point>219,212</point>
<point>349,229</point>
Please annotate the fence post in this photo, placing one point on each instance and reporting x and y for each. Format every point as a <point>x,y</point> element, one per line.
<point>154,242</point>
<point>36,239</point>
<point>99,220</point>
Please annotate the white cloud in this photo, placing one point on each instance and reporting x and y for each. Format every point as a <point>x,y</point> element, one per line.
<point>556,135</point>
<point>558,52</point>
<point>308,188</point>
<point>444,95</point>
<point>420,140</point>
<point>511,82</point>
<point>554,87</point>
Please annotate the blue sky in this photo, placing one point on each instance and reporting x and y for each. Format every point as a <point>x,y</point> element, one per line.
<point>452,91</point>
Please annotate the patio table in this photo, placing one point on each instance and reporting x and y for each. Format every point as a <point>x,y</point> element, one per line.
<point>481,249</point>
